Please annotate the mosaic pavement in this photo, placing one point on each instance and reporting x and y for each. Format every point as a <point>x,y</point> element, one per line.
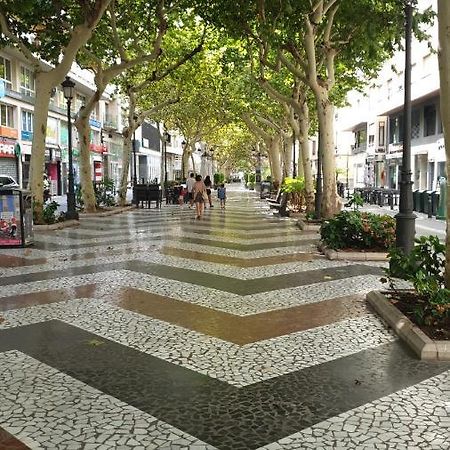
<point>151,330</point>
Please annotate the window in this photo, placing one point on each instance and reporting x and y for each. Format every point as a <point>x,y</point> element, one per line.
<point>415,124</point>
<point>26,81</point>
<point>6,116</point>
<point>389,88</point>
<point>371,139</point>
<point>80,100</point>
<point>5,71</point>
<point>396,129</point>
<point>27,121</point>
<point>381,134</point>
<point>429,115</point>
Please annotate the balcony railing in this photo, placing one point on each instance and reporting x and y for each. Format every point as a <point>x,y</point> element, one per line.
<point>110,121</point>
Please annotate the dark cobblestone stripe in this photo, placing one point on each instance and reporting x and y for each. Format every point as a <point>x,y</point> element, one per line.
<point>213,411</point>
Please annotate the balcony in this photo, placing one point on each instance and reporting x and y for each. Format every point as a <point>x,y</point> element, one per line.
<point>110,122</point>
<point>360,148</point>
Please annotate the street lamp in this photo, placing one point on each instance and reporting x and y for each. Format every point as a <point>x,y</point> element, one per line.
<point>135,118</point>
<point>166,140</point>
<point>183,145</point>
<point>294,166</point>
<point>72,213</point>
<point>405,219</point>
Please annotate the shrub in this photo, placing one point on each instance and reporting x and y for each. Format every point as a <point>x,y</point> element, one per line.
<point>219,178</point>
<point>424,268</point>
<point>49,213</point>
<point>358,230</point>
<point>295,187</point>
<point>104,193</point>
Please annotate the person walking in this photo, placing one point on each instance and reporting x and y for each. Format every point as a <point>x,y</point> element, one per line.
<point>200,196</point>
<point>189,186</point>
<point>208,185</point>
<point>222,195</point>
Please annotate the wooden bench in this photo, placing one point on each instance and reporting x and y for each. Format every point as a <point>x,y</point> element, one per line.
<point>274,201</point>
<point>282,205</point>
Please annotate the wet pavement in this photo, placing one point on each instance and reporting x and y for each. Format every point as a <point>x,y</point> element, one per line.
<point>151,329</point>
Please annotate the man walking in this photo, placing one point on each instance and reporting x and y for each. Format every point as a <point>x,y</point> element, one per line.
<point>190,185</point>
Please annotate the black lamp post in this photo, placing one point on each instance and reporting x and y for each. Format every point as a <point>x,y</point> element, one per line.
<point>134,155</point>
<point>294,166</point>
<point>72,213</point>
<point>166,140</point>
<point>405,219</point>
<point>183,144</point>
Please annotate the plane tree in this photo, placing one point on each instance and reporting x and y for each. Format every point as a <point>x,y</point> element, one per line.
<point>49,35</point>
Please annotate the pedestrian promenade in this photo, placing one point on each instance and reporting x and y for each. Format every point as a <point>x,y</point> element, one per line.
<point>153,330</point>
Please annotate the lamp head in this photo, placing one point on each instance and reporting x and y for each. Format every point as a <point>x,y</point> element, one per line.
<point>68,86</point>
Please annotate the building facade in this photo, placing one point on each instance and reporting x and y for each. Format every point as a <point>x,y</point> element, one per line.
<point>374,118</point>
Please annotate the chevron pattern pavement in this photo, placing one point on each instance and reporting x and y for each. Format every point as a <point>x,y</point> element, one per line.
<point>153,330</point>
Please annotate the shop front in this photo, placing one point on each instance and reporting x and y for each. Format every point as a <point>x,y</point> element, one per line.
<point>8,158</point>
<point>97,152</point>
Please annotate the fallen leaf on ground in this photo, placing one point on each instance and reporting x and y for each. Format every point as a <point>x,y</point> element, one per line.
<point>95,342</point>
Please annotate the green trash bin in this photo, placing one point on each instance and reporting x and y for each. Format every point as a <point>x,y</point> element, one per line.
<point>434,203</point>
<point>442,209</point>
<point>422,201</point>
<point>427,205</point>
<point>416,200</point>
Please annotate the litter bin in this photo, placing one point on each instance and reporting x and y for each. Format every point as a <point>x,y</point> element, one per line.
<point>427,205</point>
<point>422,201</point>
<point>434,202</point>
<point>416,200</point>
<point>16,218</point>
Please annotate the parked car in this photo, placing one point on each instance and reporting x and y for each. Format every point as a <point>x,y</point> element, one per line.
<point>7,182</point>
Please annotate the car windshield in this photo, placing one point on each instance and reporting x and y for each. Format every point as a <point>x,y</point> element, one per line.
<point>5,180</point>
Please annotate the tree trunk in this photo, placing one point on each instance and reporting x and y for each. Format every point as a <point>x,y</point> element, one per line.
<point>287,157</point>
<point>273,148</point>
<point>325,113</point>
<point>305,160</point>
<point>193,163</point>
<point>444,69</point>
<point>43,84</point>
<point>87,188</point>
<point>185,162</point>
<point>125,167</point>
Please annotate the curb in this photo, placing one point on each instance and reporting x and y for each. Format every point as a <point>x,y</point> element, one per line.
<point>352,256</point>
<point>307,226</point>
<point>57,225</point>
<point>423,346</point>
<point>107,213</point>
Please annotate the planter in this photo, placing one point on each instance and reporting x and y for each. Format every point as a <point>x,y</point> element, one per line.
<point>108,212</point>
<point>309,225</point>
<point>352,255</point>
<point>422,345</point>
<point>57,225</point>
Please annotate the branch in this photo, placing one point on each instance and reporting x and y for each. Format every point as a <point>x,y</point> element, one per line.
<point>158,77</point>
<point>149,112</point>
<point>22,47</point>
<point>117,41</point>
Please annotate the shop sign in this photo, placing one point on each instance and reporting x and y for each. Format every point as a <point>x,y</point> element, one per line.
<point>10,227</point>
<point>97,148</point>
<point>64,134</point>
<point>9,132</point>
<point>52,131</point>
<point>95,123</point>
<point>65,154</point>
<point>26,135</point>
<point>7,148</point>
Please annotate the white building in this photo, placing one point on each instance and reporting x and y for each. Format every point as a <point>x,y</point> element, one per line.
<point>375,118</point>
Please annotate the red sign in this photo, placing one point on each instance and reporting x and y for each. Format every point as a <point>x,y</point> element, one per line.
<point>96,148</point>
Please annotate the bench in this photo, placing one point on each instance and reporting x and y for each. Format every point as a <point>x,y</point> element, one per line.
<point>145,194</point>
<point>276,200</point>
<point>282,205</point>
